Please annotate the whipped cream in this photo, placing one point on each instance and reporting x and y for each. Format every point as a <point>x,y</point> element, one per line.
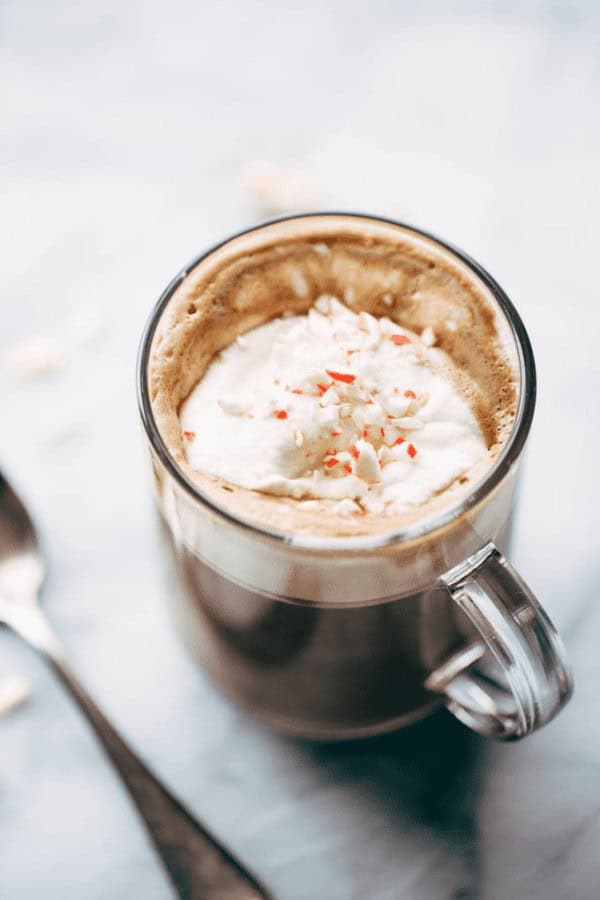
<point>333,405</point>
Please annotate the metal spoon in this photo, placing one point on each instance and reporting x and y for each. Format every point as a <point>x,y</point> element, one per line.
<point>199,867</point>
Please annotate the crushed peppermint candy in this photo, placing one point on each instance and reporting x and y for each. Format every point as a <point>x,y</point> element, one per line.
<point>345,377</point>
<point>333,383</point>
<point>330,398</point>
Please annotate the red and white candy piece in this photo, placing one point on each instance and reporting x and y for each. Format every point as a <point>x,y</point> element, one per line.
<point>367,465</point>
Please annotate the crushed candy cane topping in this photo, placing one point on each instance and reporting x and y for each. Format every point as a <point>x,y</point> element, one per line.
<point>333,405</point>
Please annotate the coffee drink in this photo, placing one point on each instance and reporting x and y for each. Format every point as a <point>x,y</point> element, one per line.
<point>335,407</point>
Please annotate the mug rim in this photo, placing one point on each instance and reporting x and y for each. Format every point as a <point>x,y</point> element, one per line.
<point>502,464</point>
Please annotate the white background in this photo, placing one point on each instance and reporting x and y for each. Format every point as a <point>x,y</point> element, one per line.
<point>125,129</point>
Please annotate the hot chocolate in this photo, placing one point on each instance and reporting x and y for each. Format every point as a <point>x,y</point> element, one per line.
<point>314,414</point>
<point>336,407</point>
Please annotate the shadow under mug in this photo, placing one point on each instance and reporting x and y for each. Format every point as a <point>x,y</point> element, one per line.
<point>329,639</point>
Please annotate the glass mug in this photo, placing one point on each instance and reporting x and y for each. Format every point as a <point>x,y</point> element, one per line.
<point>331,638</point>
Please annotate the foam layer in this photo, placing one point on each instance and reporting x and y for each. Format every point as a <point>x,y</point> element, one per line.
<point>383,269</point>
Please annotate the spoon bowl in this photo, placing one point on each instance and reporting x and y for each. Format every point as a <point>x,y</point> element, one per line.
<point>22,568</point>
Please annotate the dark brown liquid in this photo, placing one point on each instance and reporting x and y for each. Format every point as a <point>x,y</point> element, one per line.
<point>320,672</point>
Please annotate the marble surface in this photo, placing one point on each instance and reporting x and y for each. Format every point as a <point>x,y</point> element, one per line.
<point>125,130</point>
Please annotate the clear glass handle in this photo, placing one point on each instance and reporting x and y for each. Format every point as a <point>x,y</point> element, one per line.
<point>516,678</point>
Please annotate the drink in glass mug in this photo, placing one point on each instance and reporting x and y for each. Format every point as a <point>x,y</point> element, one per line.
<point>335,407</point>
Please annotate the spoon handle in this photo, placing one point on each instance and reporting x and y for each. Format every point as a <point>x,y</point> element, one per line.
<point>199,867</point>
